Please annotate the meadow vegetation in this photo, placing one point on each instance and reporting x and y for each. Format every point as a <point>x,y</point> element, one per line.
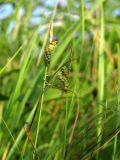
<point>60,80</point>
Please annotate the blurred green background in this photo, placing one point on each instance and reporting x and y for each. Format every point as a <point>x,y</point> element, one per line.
<point>88,32</point>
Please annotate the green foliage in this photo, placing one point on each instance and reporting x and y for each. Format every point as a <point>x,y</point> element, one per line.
<point>63,102</point>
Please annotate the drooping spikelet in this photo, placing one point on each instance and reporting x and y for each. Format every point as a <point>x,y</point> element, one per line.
<point>63,75</point>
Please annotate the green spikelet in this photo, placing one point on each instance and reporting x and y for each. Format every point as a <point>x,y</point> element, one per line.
<point>63,75</point>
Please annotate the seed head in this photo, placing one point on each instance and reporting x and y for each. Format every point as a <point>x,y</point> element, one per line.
<point>48,52</point>
<point>63,75</point>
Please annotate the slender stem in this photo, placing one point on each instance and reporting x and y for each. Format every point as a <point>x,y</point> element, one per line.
<point>66,123</point>
<point>73,128</point>
<point>101,69</point>
<point>40,101</point>
<point>101,74</point>
<point>83,22</point>
<point>41,106</point>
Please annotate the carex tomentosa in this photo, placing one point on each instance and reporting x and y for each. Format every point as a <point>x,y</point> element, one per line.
<point>48,52</point>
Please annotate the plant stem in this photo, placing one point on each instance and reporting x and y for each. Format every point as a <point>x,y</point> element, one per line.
<point>116,137</point>
<point>101,74</point>
<point>41,106</point>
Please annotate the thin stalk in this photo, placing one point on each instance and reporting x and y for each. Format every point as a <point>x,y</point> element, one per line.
<point>66,123</point>
<point>9,131</point>
<point>114,148</point>
<point>83,21</point>
<point>73,129</point>
<point>41,106</point>
<point>40,101</point>
<point>101,73</point>
<point>11,59</point>
<point>116,137</point>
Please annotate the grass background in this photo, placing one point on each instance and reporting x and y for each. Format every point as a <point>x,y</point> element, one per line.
<point>89,30</point>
